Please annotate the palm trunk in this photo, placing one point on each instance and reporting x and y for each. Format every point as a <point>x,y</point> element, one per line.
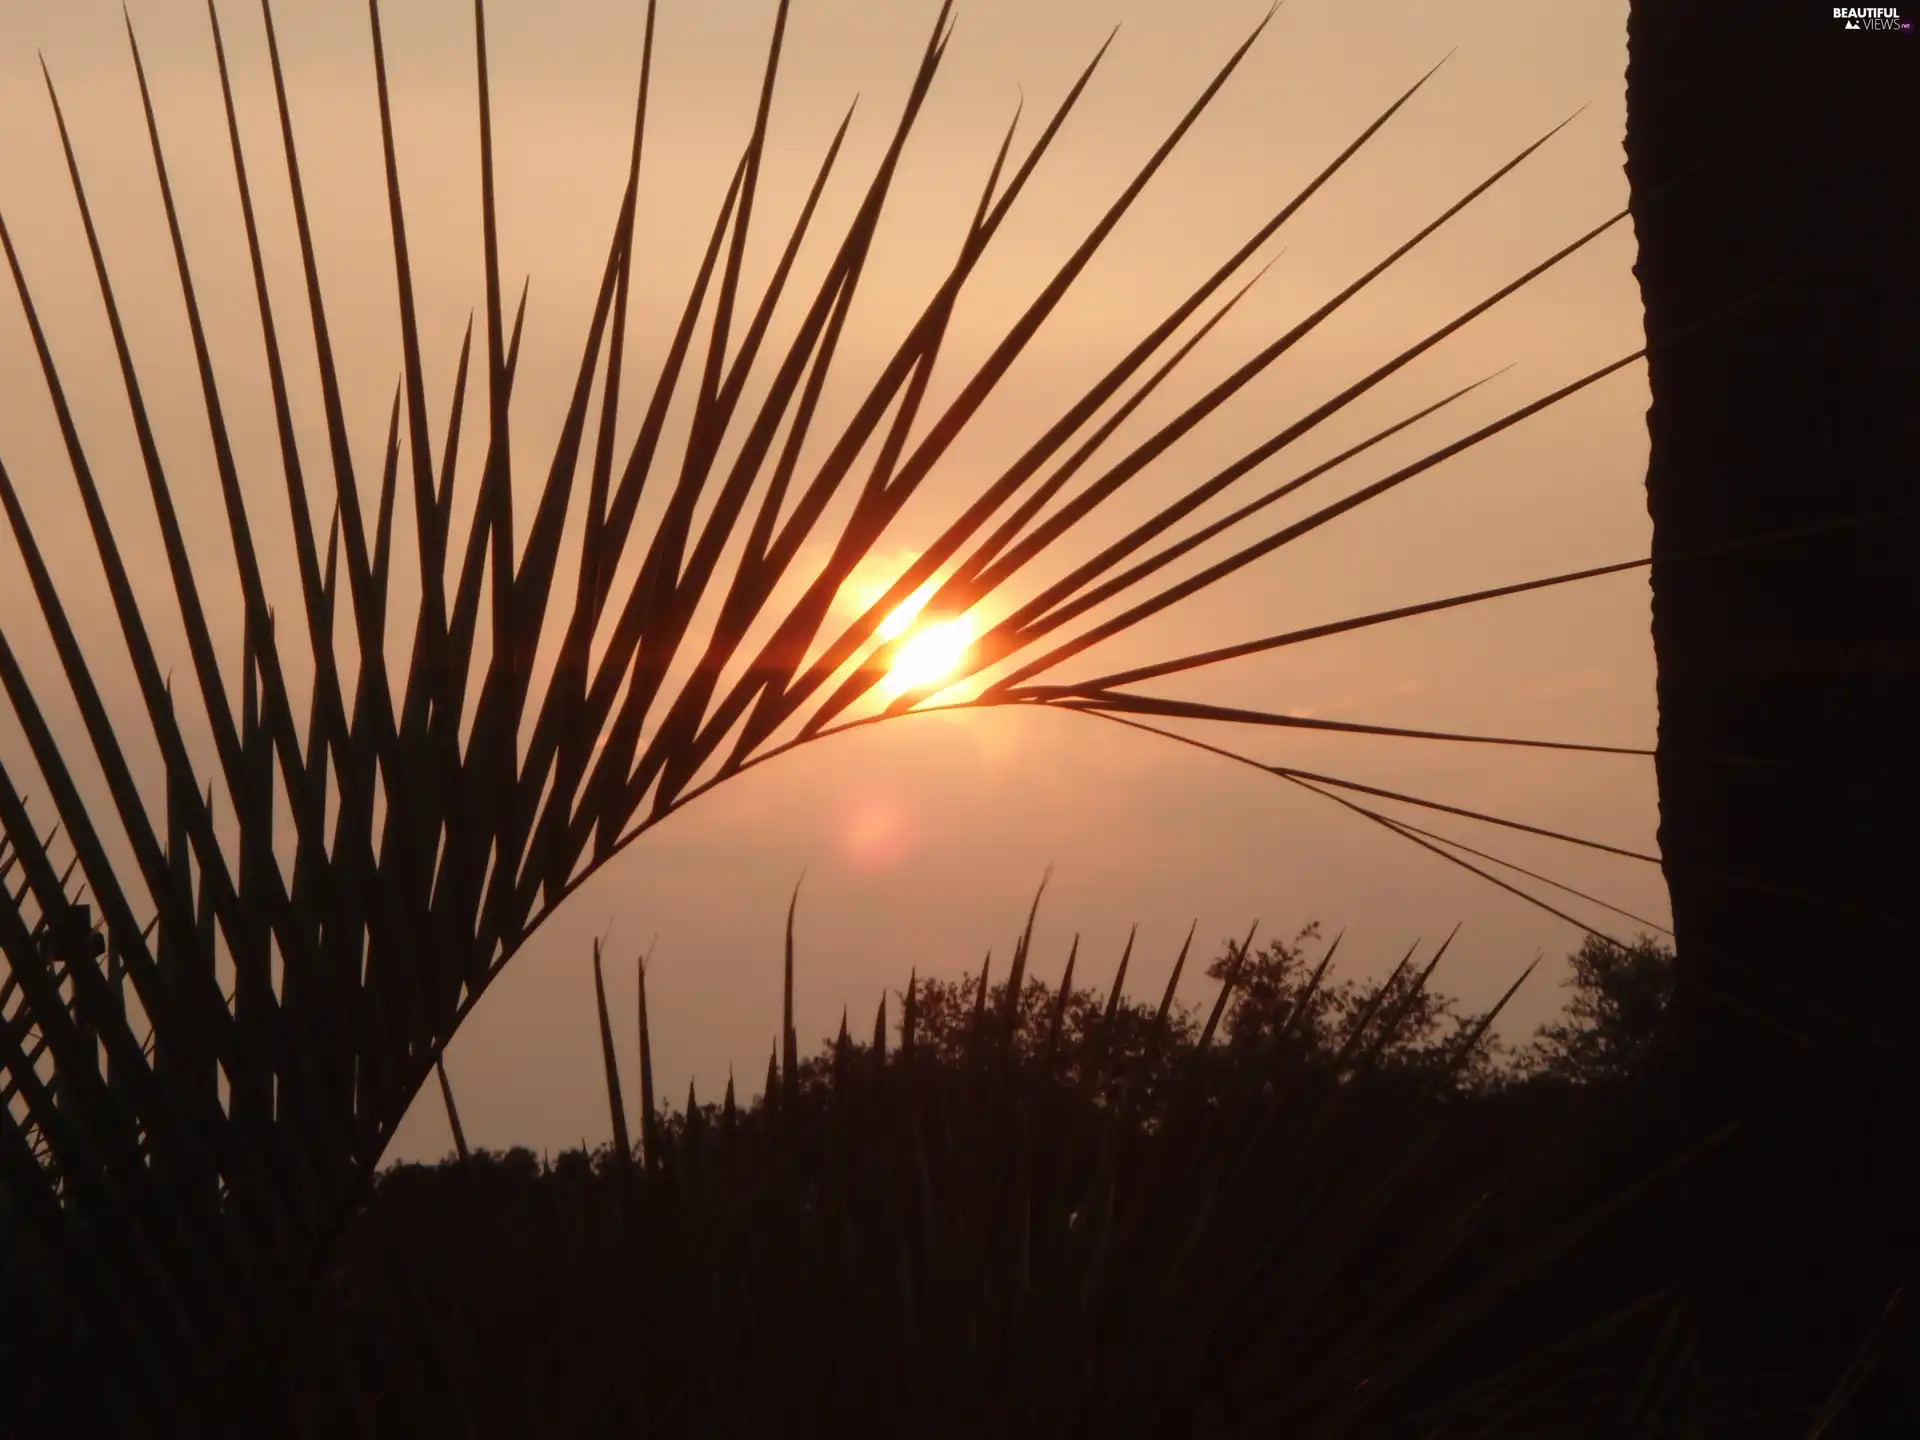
<point>1786,671</point>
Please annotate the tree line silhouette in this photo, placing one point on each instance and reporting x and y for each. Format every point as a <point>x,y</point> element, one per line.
<point>1335,1128</point>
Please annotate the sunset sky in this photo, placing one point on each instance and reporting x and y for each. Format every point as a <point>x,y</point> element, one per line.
<point>923,839</point>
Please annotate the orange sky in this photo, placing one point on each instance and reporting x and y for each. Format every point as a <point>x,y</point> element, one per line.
<point>923,839</point>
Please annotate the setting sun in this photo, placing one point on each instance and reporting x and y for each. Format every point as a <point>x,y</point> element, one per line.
<point>929,656</point>
<point>930,651</point>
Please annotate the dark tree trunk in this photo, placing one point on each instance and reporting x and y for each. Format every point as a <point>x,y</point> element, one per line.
<point>1793,871</point>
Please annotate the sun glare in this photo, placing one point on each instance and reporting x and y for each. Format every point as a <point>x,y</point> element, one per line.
<point>904,614</point>
<point>930,656</point>
<point>929,651</point>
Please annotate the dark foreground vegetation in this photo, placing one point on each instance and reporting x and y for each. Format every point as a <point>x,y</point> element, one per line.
<point>1330,1208</point>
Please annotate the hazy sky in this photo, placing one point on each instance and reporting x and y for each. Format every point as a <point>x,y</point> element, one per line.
<point>923,839</point>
